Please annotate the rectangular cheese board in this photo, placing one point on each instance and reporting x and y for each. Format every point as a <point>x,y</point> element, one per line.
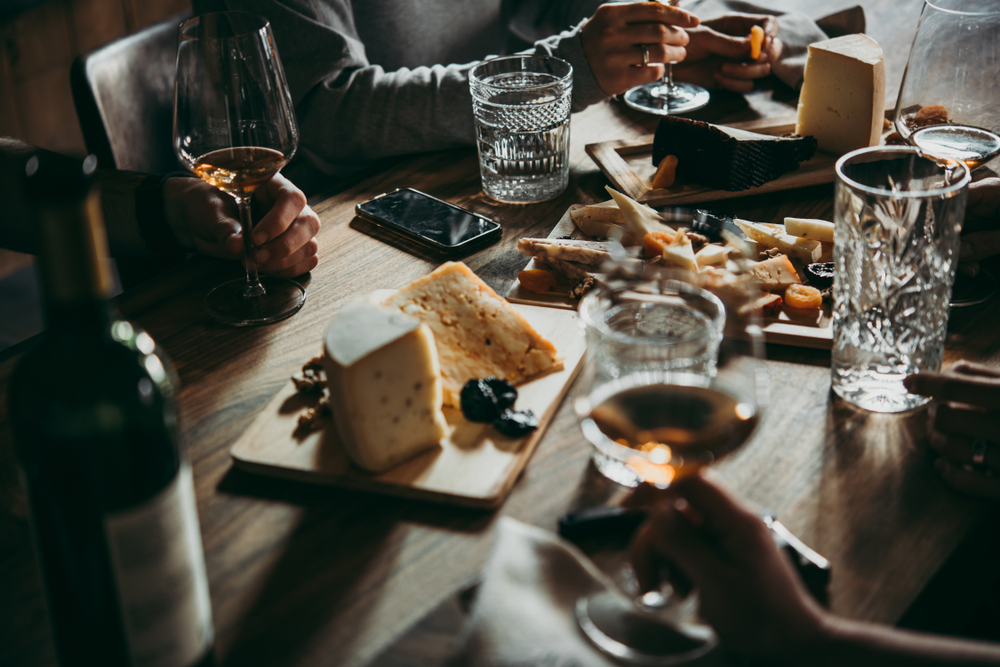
<point>475,467</point>
<point>811,330</point>
<point>629,166</point>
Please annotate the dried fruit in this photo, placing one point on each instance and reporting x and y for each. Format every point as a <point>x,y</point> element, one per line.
<point>803,297</point>
<point>479,403</point>
<point>820,274</point>
<point>537,280</point>
<point>516,423</point>
<point>933,114</point>
<point>756,41</point>
<point>504,392</point>
<point>666,172</point>
<point>655,243</point>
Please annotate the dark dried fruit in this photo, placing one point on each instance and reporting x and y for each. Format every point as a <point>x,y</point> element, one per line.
<point>479,403</point>
<point>504,391</point>
<point>516,423</point>
<point>820,274</point>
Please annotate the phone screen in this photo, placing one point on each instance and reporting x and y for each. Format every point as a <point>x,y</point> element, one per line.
<point>434,221</point>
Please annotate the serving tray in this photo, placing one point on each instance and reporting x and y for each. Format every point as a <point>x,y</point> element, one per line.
<point>475,466</point>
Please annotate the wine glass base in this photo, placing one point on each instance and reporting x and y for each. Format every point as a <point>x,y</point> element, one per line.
<point>227,303</point>
<point>973,290</point>
<point>654,98</point>
<point>618,628</point>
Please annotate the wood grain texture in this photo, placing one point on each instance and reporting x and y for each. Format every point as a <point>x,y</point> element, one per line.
<point>303,574</point>
<point>475,466</point>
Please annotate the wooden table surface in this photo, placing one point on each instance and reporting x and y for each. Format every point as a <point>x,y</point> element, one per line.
<point>308,575</point>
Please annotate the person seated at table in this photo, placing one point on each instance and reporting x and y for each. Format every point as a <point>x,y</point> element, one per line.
<point>981,229</point>
<point>754,598</point>
<point>390,77</point>
<point>196,215</point>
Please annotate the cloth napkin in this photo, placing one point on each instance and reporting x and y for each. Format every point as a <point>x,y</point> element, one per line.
<point>523,615</point>
<point>795,29</point>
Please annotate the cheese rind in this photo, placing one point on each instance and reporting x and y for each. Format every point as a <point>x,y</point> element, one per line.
<point>842,102</point>
<point>385,385</point>
<point>477,334</point>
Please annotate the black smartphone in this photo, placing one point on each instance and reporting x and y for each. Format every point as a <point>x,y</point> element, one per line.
<point>428,220</point>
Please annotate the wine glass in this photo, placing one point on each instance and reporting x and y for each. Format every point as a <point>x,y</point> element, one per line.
<point>667,97</point>
<point>673,382</point>
<point>949,102</point>
<point>234,127</point>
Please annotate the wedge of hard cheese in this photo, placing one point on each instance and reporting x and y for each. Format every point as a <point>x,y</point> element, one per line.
<point>842,102</point>
<point>477,333</point>
<point>385,385</point>
<point>805,250</point>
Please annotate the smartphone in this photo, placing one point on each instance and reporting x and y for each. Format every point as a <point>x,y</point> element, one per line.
<point>429,220</point>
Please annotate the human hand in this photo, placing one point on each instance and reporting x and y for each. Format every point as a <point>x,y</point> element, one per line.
<point>981,229</point>
<point>750,591</point>
<point>718,54</point>
<point>207,220</point>
<point>964,420</point>
<point>613,35</point>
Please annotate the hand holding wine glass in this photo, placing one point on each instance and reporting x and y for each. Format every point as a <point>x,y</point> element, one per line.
<point>234,127</point>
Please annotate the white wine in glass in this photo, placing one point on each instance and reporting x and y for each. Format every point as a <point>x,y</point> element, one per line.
<point>234,127</point>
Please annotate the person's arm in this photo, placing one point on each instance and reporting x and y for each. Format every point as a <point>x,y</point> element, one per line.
<point>981,230</point>
<point>754,598</point>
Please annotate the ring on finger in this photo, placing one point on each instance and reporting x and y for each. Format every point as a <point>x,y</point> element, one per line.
<point>645,54</point>
<point>979,447</point>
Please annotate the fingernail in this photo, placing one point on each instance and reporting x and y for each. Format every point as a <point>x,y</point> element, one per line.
<point>263,255</point>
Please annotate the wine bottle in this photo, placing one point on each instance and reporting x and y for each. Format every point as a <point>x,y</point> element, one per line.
<point>110,494</point>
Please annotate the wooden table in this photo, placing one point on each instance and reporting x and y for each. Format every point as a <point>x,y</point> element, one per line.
<point>307,575</point>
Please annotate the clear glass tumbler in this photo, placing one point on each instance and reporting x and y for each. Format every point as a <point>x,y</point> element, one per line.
<point>898,214</point>
<point>521,106</point>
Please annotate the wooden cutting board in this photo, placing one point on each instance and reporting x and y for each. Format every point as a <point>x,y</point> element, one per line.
<point>475,466</point>
<point>629,166</point>
<point>812,330</point>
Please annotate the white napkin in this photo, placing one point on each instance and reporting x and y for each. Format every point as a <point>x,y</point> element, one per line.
<point>523,615</point>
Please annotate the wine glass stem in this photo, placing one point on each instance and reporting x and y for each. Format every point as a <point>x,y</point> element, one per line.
<point>253,288</point>
<point>668,77</point>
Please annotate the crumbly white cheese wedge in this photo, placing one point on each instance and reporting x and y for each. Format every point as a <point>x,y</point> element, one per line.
<point>639,219</point>
<point>680,253</point>
<point>385,385</point>
<point>586,253</point>
<point>842,102</point>
<point>805,250</point>
<point>810,228</point>
<point>775,274</point>
<point>712,255</point>
<point>477,333</point>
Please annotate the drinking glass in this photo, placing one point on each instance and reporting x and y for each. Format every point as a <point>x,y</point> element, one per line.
<point>666,97</point>
<point>521,106</point>
<point>949,103</point>
<point>897,215</point>
<point>234,127</point>
<point>673,381</point>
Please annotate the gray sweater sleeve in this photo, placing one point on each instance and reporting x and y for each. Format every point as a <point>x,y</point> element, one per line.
<point>351,112</point>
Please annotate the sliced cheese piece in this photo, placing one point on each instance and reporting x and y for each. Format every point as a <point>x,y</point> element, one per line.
<point>680,253</point>
<point>842,102</point>
<point>385,385</point>
<point>477,333</point>
<point>810,228</point>
<point>602,221</point>
<point>639,219</point>
<point>586,253</point>
<point>775,274</point>
<point>804,250</point>
<point>712,255</point>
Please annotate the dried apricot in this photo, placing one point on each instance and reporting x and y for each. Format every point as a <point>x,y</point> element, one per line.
<point>537,280</point>
<point>934,114</point>
<point>803,297</point>
<point>654,243</point>
<point>666,172</point>
<point>756,41</point>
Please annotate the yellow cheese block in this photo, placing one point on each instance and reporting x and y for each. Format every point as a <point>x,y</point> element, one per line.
<point>842,102</point>
<point>477,334</point>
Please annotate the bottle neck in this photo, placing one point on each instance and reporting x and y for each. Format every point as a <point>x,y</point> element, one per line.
<point>73,264</point>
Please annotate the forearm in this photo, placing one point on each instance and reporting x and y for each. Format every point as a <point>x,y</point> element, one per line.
<point>869,644</point>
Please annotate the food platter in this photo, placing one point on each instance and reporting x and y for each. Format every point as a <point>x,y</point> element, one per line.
<point>629,167</point>
<point>811,330</point>
<point>475,467</point>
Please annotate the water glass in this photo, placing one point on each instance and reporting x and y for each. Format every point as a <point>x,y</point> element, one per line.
<point>898,214</point>
<point>521,106</point>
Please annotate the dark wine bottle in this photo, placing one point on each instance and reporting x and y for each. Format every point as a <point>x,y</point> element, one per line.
<point>110,493</point>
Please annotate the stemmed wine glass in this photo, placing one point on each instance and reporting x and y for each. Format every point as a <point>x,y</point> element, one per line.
<point>666,97</point>
<point>234,127</point>
<point>949,101</point>
<point>673,382</point>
